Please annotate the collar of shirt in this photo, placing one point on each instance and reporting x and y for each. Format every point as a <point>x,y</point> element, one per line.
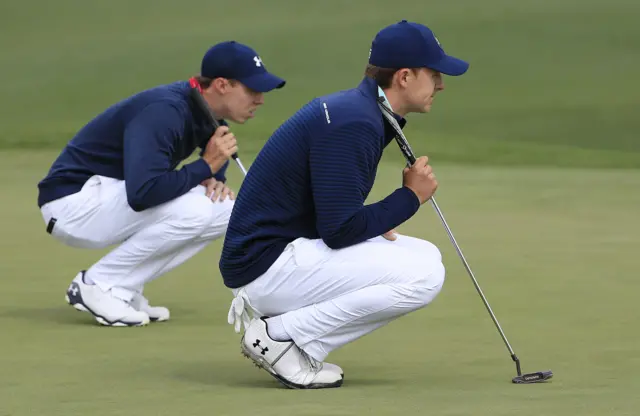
<point>389,131</point>
<point>383,95</point>
<point>371,89</point>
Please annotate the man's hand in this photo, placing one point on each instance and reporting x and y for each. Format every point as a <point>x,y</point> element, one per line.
<point>217,190</point>
<point>221,146</point>
<point>391,235</point>
<point>420,179</point>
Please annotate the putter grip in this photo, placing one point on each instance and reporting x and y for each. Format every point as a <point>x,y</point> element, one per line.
<point>406,151</point>
<point>403,144</point>
<point>205,109</point>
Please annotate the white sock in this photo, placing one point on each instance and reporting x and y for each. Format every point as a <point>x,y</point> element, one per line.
<point>276,330</point>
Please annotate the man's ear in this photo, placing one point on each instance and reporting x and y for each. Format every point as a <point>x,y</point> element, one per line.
<point>401,77</point>
<point>219,85</point>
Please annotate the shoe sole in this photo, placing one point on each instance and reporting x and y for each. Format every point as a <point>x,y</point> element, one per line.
<point>102,320</point>
<point>262,364</point>
<point>158,319</point>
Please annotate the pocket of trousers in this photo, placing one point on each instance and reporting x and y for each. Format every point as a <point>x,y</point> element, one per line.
<point>70,213</point>
<point>61,235</point>
<point>307,253</point>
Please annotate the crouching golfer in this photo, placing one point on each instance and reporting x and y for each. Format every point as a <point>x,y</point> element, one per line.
<point>116,183</point>
<point>316,267</point>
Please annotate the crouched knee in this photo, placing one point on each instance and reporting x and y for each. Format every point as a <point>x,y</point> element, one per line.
<point>427,282</point>
<point>422,248</point>
<point>431,251</point>
<point>193,212</point>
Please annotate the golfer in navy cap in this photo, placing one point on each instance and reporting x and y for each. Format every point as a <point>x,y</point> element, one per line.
<point>117,183</point>
<point>311,267</point>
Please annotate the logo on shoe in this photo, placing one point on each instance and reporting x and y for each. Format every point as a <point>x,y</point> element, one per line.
<point>263,351</point>
<point>73,290</point>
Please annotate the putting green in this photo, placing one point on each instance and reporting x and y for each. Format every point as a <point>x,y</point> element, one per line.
<point>554,250</point>
<point>537,155</point>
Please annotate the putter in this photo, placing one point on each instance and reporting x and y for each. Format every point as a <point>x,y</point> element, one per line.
<point>196,93</point>
<point>528,378</point>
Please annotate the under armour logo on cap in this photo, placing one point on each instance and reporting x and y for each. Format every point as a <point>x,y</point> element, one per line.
<point>233,60</point>
<point>412,45</point>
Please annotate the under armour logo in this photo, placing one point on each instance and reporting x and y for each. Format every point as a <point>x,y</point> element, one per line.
<point>263,351</point>
<point>73,289</point>
<point>257,60</point>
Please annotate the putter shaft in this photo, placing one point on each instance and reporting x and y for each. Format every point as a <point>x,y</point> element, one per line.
<point>475,282</point>
<point>244,171</point>
<point>410,158</point>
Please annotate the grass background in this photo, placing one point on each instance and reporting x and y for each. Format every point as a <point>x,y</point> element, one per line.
<point>537,154</point>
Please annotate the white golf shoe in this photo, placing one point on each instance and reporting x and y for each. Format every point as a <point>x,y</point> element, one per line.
<point>107,309</point>
<point>156,313</point>
<point>332,367</point>
<point>286,362</point>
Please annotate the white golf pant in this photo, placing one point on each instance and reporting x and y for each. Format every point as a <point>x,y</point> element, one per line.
<point>328,298</point>
<point>150,243</point>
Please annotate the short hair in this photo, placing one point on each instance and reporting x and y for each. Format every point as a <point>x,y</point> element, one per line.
<point>382,76</point>
<point>205,82</point>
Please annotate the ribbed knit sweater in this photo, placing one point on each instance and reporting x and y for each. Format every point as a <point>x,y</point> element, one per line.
<point>311,180</point>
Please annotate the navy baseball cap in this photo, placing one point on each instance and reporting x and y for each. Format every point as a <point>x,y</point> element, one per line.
<point>412,45</point>
<point>234,60</point>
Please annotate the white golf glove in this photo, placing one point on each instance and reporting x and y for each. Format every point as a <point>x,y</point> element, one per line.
<point>239,313</point>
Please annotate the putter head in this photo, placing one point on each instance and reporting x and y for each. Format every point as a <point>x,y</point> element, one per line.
<point>531,378</point>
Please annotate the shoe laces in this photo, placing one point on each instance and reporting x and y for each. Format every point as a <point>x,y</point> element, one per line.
<point>139,301</point>
<point>315,364</point>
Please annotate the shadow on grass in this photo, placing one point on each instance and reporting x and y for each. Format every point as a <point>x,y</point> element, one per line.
<point>62,315</point>
<point>241,375</point>
<point>67,315</point>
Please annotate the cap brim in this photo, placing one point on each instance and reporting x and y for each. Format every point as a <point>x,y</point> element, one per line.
<point>264,82</point>
<point>450,66</point>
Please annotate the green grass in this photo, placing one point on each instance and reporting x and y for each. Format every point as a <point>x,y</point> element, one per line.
<point>537,155</point>
<point>554,250</point>
<point>551,82</point>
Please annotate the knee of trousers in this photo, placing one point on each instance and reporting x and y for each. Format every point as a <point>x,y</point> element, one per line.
<point>220,220</point>
<point>426,280</point>
<point>429,250</point>
<point>193,213</point>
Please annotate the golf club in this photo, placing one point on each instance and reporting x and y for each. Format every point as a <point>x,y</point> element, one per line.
<point>196,93</point>
<point>528,378</point>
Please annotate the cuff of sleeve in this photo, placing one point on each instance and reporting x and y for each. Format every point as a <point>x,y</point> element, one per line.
<point>409,201</point>
<point>200,170</point>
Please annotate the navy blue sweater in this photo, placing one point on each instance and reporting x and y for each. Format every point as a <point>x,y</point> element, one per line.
<point>140,140</point>
<point>311,180</point>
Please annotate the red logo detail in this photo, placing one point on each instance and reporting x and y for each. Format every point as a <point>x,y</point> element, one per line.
<point>194,84</point>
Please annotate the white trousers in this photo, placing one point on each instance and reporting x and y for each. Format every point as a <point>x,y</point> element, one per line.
<point>328,298</point>
<point>150,243</point>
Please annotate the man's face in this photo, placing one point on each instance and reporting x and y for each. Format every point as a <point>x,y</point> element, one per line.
<point>238,101</point>
<point>420,88</point>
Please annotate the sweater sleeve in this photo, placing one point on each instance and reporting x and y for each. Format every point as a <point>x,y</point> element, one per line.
<point>149,142</point>
<point>342,168</point>
<point>221,175</point>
